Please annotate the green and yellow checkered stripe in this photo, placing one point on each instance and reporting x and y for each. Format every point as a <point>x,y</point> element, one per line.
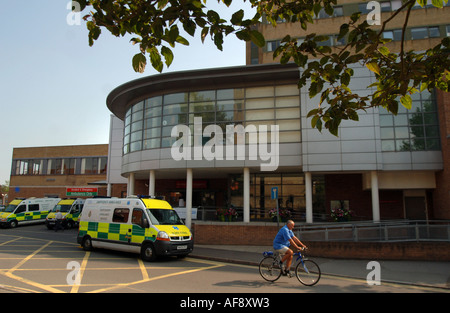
<point>28,216</point>
<point>116,232</point>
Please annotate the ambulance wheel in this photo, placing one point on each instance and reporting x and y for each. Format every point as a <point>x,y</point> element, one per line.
<point>148,252</point>
<point>13,224</point>
<point>87,244</point>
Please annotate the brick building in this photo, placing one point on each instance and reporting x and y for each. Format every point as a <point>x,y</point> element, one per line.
<point>49,171</point>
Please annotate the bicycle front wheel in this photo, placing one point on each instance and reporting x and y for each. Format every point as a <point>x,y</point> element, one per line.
<point>269,268</point>
<point>308,272</point>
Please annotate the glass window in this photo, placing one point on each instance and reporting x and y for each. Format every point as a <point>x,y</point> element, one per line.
<point>103,165</point>
<point>289,125</point>
<point>287,102</point>
<point>91,166</point>
<point>152,143</point>
<point>419,33</point>
<point>137,126</point>
<point>255,115</point>
<point>136,136</point>
<point>121,215</point>
<point>259,103</point>
<point>258,92</point>
<point>434,32</point>
<point>230,105</point>
<point>33,207</point>
<point>152,132</point>
<point>413,130</point>
<point>153,102</point>
<point>156,111</point>
<point>202,106</point>
<point>56,166</point>
<point>202,95</point>
<point>175,109</point>
<point>175,98</point>
<point>224,94</point>
<point>385,6</point>
<point>288,113</point>
<point>286,90</point>
<point>138,106</point>
<point>152,122</point>
<point>69,166</point>
<point>135,146</point>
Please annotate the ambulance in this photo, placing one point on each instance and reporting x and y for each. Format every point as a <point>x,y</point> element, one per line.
<point>143,225</point>
<point>70,210</point>
<point>27,211</point>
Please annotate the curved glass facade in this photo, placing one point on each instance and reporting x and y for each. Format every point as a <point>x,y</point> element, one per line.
<point>148,124</point>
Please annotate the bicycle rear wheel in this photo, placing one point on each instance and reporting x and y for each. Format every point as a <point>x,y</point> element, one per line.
<point>308,272</point>
<point>269,268</point>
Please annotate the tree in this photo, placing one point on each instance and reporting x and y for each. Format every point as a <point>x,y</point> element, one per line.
<point>156,25</point>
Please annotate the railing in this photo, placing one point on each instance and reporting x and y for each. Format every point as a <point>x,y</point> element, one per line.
<point>396,230</point>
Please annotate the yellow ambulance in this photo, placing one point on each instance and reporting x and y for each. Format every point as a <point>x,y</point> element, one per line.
<point>27,211</point>
<point>70,210</point>
<point>144,225</point>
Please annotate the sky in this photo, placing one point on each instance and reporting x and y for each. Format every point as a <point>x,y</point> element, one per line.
<point>53,86</point>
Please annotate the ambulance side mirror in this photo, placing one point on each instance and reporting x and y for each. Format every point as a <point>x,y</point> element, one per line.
<point>145,223</point>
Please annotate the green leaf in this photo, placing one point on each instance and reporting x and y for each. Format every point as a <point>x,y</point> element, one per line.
<point>168,55</point>
<point>373,66</point>
<point>384,50</point>
<point>190,26</point>
<point>205,31</point>
<point>406,101</point>
<point>237,17</point>
<point>257,38</point>
<point>139,62</point>
<point>182,40</point>
<point>438,3</point>
<point>155,59</point>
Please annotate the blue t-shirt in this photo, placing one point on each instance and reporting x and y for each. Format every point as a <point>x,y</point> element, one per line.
<point>282,238</point>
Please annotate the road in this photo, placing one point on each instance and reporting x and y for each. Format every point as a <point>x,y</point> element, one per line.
<point>36,260</point>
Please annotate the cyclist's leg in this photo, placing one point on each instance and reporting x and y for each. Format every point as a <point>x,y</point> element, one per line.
<point>288,256</point>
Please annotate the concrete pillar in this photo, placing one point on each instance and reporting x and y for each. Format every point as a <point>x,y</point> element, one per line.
<point>189,180</point>
<point>130,187</point>
<point>246,195</point>
<point>308,196</point>
<point>151,183</point>
<point>375,196</point>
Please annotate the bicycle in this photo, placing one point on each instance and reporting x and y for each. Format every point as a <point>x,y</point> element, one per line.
<point>307,271</point>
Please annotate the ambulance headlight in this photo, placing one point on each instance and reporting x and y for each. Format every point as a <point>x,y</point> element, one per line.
<point>162,235</point>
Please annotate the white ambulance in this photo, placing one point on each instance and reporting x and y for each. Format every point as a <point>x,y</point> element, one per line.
<point>27,211</point>
<point>143,225</point>
<point>70,210</point>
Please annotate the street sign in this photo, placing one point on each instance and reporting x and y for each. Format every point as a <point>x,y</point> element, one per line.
<point>274,193</point>
<point>81,192</point>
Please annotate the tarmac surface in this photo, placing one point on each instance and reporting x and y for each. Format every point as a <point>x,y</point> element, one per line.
<point>417,273</point>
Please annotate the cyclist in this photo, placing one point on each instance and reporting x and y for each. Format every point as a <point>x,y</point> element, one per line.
<point>282,243</point>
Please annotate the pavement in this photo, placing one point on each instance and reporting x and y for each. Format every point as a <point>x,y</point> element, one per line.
<point>419,273</point>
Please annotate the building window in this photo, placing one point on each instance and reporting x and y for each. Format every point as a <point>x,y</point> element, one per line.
<point>267,105</point>
<point>425,32</point>
<point>413,130</point>
<point>271,46</point>
<point>55,166</point>
<point>394,35</point>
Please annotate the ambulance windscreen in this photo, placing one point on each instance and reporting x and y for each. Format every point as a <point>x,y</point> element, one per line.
<point>164,217</point>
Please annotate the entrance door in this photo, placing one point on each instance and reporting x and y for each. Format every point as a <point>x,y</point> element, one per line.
<point>415,208</point>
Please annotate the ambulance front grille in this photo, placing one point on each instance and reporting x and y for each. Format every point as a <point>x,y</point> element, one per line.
<point>180,238</point>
